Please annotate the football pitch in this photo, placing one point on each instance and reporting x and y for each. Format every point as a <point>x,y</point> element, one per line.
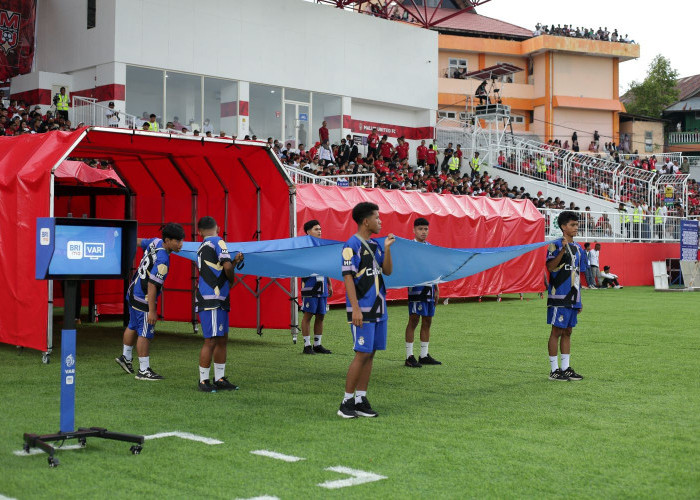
<point>487,423</point>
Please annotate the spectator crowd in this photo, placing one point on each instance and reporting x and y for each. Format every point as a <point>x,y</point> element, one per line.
<point>569,30</point>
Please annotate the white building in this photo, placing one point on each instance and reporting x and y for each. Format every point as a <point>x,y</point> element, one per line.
<point>273,68</point>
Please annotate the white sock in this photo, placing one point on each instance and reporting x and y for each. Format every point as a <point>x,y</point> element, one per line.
<point>423,349</point>
<point>204,373</point>
<point>348,395</point>
<point>564,361</point>
<point>307,340</point>
<point>553,363</point>
<point>359,395</point>
<point>317,339</point>
<point>144,363</point>
<point>219,370</point>
<point>127,351</point>
<point>409,349</point>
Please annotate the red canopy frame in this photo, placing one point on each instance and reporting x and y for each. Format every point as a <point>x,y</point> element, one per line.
<point>167,178</point>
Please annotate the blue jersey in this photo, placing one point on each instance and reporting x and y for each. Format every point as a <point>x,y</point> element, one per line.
<point>366,272</point>
<point>214,287</point>
<point>565,280</point>
<point>152,269</point>
<point>314,286</point>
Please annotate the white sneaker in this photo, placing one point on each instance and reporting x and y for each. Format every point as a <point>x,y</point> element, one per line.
<point>618,286</point>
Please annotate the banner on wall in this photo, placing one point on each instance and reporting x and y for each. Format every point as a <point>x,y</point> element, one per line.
<point>17,26</point>
<point>689,240</point>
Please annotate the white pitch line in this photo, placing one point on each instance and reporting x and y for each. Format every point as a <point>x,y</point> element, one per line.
<point>358,477</point>
<point>277,456</point>
<point>3,497</point>
<point>38,451</point>
<point>185,435</point>
<point>264,497</point>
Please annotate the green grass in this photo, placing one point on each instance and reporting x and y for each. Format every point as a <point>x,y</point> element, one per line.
<point>488,423</point>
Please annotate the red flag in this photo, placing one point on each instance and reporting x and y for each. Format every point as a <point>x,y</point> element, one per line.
<point>17,21</point>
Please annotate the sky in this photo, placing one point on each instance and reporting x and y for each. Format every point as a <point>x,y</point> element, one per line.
<point>667,27</point>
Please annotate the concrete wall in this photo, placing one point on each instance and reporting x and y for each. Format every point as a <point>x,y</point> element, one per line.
<point>583,76</point>
<point>584,121</point>
<point>637,130</point>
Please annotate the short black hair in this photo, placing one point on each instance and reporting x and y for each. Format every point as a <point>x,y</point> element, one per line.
<point>565,217</point>
<point>605,268</point>
<point>206,222</point>
<point>363,210</point>
<point>172,231</point>
<point>420,221</point>
<point>310,224</point>
<point>586,245</point>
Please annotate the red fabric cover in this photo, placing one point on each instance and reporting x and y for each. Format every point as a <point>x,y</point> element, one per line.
<point>455,221</point>
<point>25,166</point>
<point>78,172</point>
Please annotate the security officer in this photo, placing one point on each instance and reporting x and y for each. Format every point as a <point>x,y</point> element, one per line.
<point>475,165</point>
<point>624,220</point>
<point>659,220</point>
<point>453,164</point>
<point>152,123</point>
<point>636,219</point>
<point>61,101</point>
<point>541,168</point>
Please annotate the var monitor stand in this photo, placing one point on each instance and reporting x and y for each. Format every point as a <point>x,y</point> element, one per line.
<point>68,341</point>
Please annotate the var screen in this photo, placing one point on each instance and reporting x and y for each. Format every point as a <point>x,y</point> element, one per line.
<point>85,250</point>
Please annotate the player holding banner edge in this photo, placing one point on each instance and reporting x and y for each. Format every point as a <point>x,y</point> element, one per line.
<point>565,261</point>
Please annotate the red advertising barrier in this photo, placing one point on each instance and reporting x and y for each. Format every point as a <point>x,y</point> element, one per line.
<point>632,261</point>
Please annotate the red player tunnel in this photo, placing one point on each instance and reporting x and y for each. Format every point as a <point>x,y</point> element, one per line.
<point>167,179</point>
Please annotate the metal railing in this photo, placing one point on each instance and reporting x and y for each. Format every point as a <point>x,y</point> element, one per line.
<point>659,157</point>
<point>302,177</point>
<point>617,226</point>
<point>89,112</point>
<point>683,137</point>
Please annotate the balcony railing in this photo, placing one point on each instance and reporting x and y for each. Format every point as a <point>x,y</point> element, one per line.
<point>683,138</point>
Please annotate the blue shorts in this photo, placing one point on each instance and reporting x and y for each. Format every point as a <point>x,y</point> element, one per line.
<point>422,308</point>
<point>315,305</point>
<point>562,317</point>
<point>138,322</point>
<point>370,337</point>
<point>214,323</point>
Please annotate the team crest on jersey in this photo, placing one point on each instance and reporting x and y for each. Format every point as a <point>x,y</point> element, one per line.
<point>308,304</point>
<point>420,307</point>
<point>221,328</point>
<point>361,341</point>
<point>9,30</point>
<point>561,317</point>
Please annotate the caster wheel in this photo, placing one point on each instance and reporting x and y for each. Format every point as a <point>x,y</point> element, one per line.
<point>53,462</point>
<point>82,442</point>
<point>294,339</point>
<point>136,449</point>
<point>46,358</point>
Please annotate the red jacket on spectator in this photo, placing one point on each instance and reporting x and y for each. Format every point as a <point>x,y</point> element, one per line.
<point>386,149</point>
<point>422,152</point>
<point>432,157</point>
<point>402,150</point>
<point>373,141</point>
<point>323,134</point>
<point>313,152</point>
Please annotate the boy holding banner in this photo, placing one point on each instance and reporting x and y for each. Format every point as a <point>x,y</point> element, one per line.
<point>314,294</point>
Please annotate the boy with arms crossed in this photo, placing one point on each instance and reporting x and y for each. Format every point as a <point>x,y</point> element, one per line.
<point>365,300</point>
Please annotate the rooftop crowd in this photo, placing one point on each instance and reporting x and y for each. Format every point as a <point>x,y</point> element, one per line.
<point>580,32</point>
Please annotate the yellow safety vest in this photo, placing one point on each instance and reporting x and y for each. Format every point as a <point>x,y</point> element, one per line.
<point>153,127</point>
<point>453,164</point>
<point>625,217</point>
<point>637,215</point>
<point>475,164</point>
<point>62,104</point>
<point>658,218</point>
<point>541,166</point>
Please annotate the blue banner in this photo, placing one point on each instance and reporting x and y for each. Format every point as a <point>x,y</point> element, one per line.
<point>414,263</point>
<point>67,381</point>
<point>689,239</point>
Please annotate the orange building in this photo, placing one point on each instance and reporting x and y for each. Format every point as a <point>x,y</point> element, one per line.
<point>567,84</point>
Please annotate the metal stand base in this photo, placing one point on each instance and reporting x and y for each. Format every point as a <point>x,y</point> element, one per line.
<point>42,442</point>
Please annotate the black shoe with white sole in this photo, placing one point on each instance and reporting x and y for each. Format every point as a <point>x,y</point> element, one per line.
<point>206,386</point>
<point>148,374</point>
<point>412,362</point>
<point>125,364</point>
<point>569,372</point>
<point>347,409</point>
<point>428,360</point>
<point>363,409</point>
<point>558,375</point>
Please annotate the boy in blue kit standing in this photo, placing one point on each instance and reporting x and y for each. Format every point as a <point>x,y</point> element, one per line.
<point>216,273</point>
<point>314,294</point>
<point>565,261</point>
<point>421,304</point>
<point>142,298</point>
<point>365,299</point>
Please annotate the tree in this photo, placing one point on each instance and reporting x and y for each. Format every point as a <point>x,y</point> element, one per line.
<point>656,92</point>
